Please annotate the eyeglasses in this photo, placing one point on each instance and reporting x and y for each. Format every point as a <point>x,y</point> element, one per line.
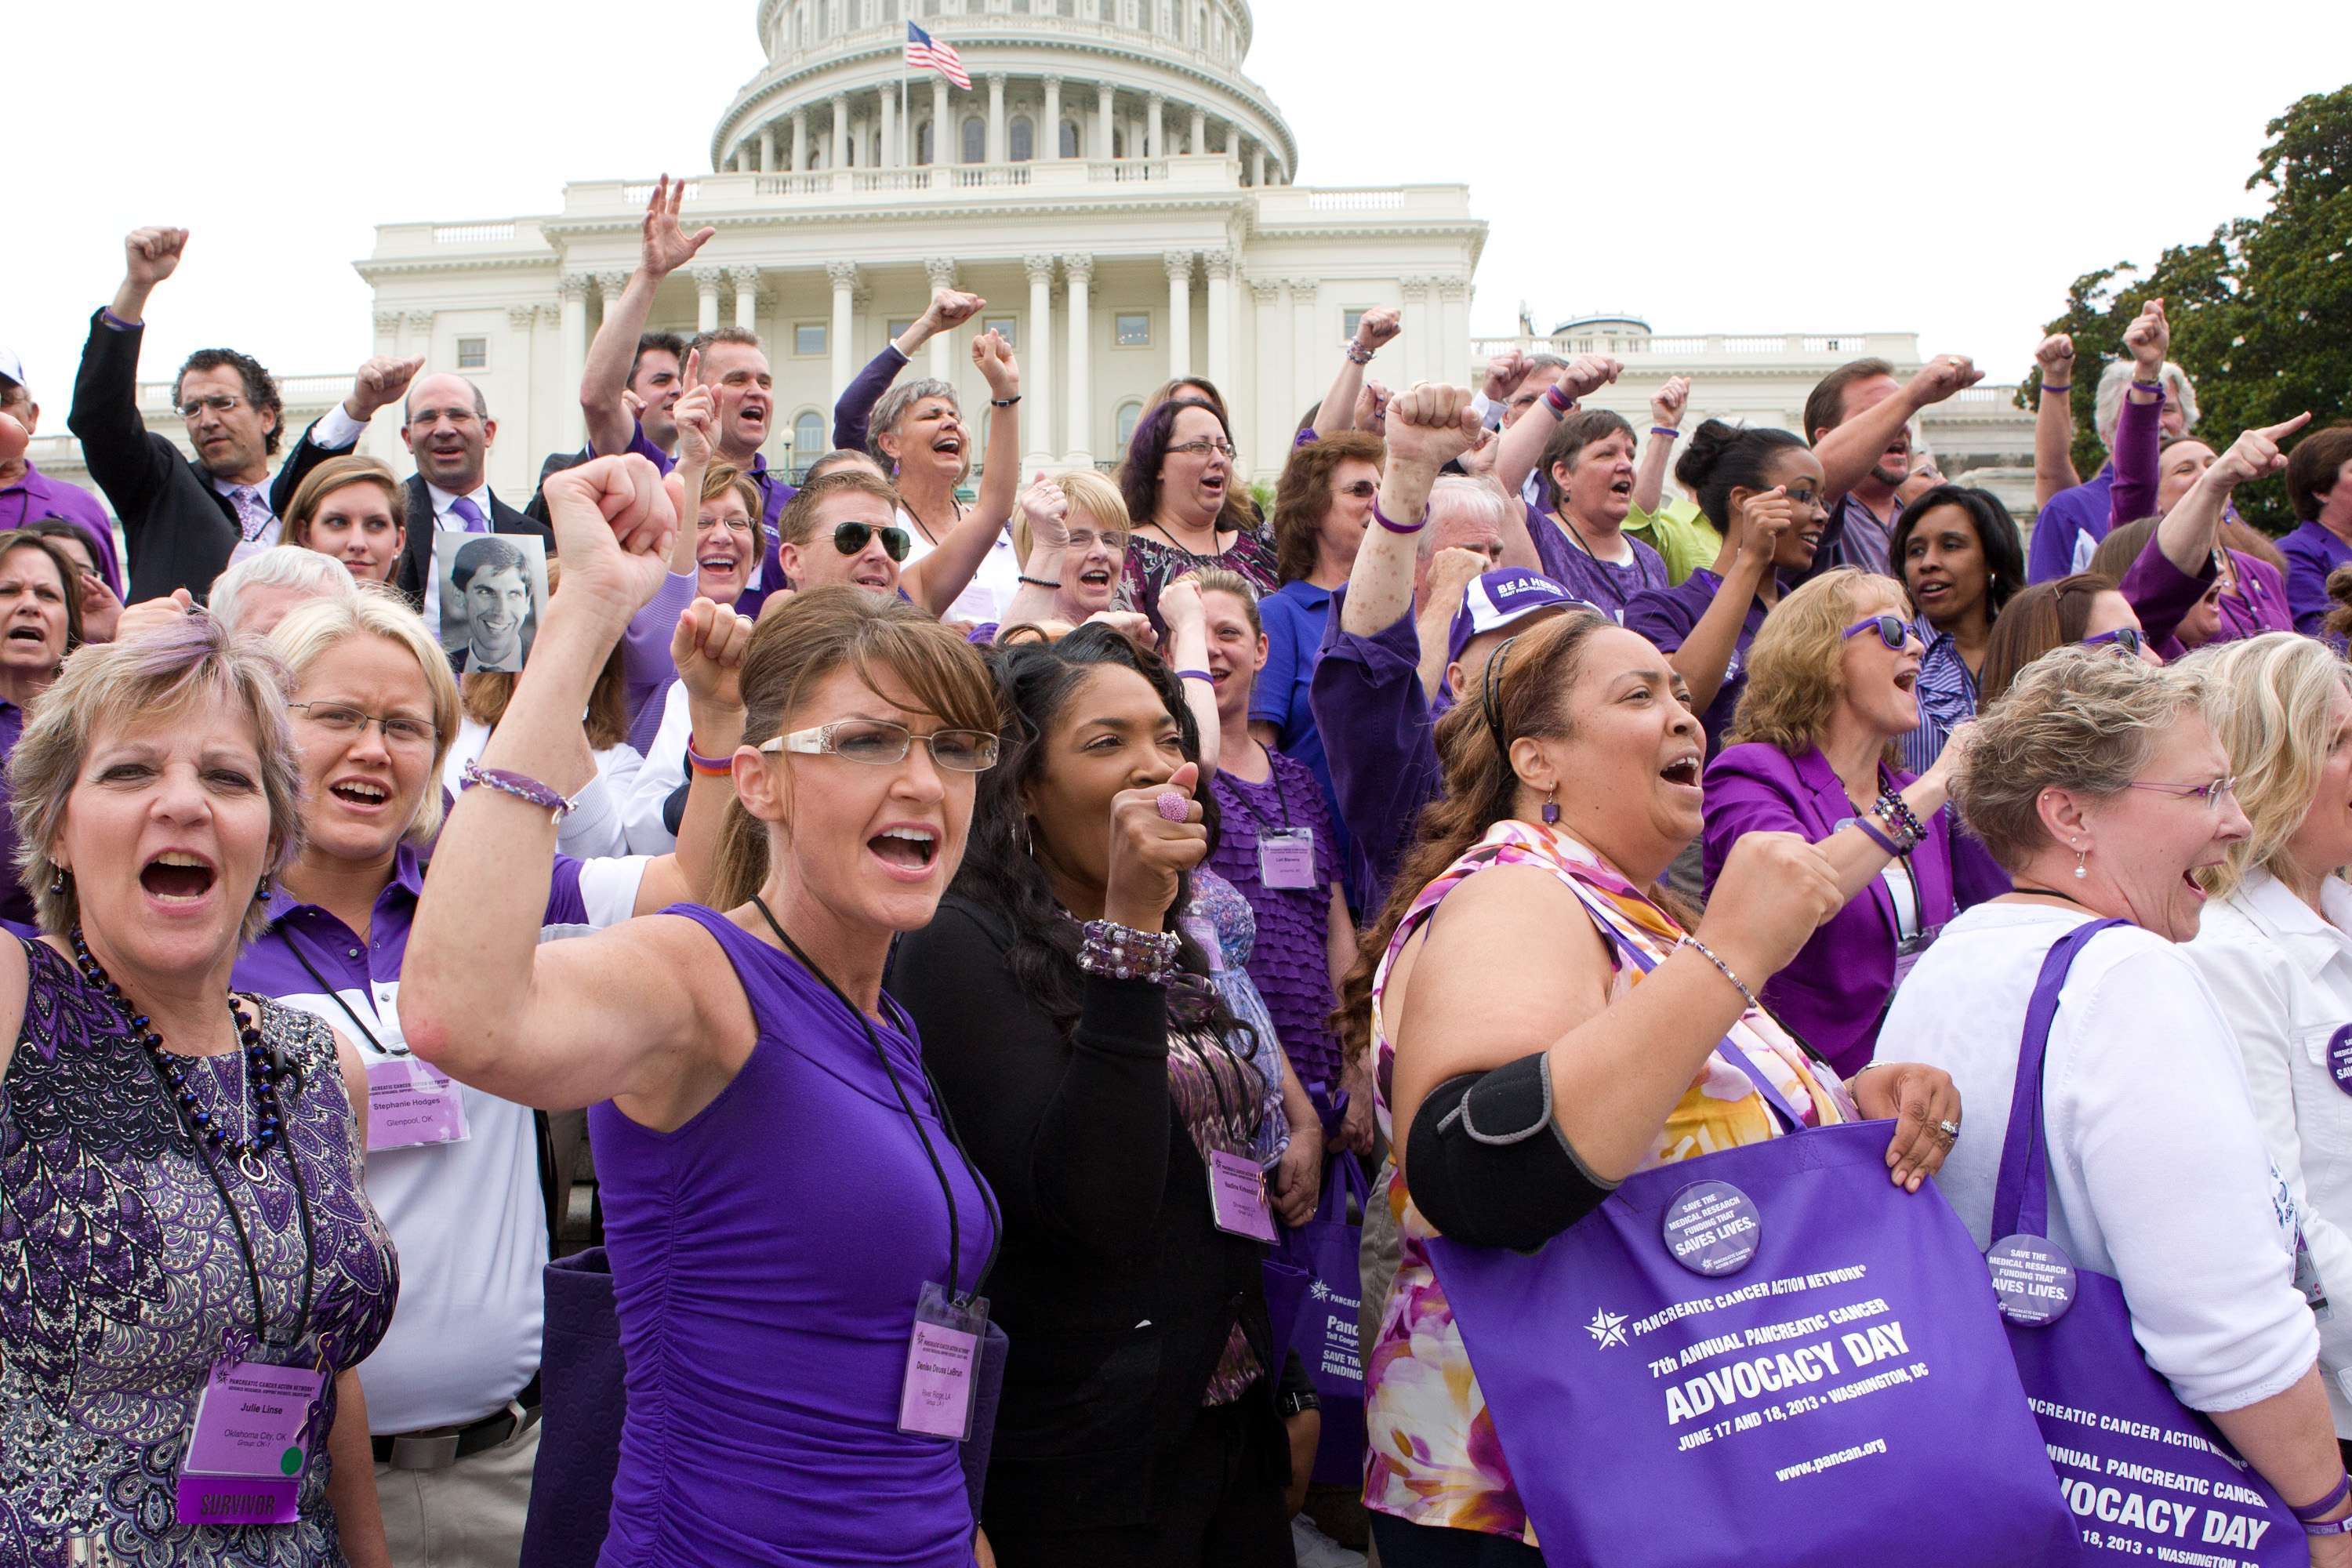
<point>731,524</point>
<point>1892,630</point>
<point>337,719</point>
<point>1202,448</point>
<point>1083,540</point>
<point>1362,490</point>
<point>220,403</point>
<point>880,742</point>
<point>2125,640</point>
<point>851,537</point>
<point>2212,795</point>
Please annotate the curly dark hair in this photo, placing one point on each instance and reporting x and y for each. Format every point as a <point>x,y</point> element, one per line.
<point>260,387</point>
<point>1302,498</point>
<point>1000,876</point>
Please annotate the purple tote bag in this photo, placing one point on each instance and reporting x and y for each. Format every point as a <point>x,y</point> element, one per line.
<point>1325,1335</point>
<point>2147,1476</point>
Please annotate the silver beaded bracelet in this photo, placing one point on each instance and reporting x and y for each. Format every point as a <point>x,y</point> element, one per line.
<point>1737,983</point>
<point>1115,952</point>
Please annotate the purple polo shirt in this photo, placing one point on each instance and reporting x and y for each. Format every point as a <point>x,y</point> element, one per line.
<point>16,903</point>
<point>1668,615</point>
<point>1375,725</point>
<point>35,496</point>
<point>2312,552</point>
<point>644,447</point>
<point>778,495</point>
<point>1606,585</point>
<point>2070,515</point>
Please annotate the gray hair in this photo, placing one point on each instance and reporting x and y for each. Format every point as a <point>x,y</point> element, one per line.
<point>2117,379</point>
<point>1546,361</point>
<point>892,408</point>
<point>1456,494</point>
<point>2077,719</point>
<point>280,566</point>
<point>166,672</point>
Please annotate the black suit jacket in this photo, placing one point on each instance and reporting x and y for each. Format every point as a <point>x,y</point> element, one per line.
<point>416,555</point>
<point>180,530</point>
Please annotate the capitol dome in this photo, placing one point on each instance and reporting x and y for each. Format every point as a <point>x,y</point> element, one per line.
<point>1095,79</point>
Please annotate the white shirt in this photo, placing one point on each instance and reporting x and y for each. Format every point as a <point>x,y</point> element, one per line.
<point>2283,977</point>
<point>665,769</point>
<point>2158,1172</point>
<point>592,826</point>
<point>986,597</point>
<point>447,521</point>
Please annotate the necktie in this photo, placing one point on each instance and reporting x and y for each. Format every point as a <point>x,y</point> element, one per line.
<point>465,508</point>
<point>253,512</point>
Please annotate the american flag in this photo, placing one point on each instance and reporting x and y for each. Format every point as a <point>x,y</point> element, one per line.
<point>927,53</point>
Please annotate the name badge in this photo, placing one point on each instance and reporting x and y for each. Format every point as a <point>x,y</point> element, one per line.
<point>2339,1058</point>
<point>411,1103</point>
<point>247,1445</point>
<point>1203,932</point>
<point>942,1355</point>
<point>1909,950</point>
<point>1237,1195</point>
<point>1286,859</point>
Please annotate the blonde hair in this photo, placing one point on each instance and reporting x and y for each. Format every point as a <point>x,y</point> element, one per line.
<point>1792,665</point>
<point>167,672</point>
<point>310,631</point>
<point>819,631</point>
<point>2267,699</point>
<point>335,474</point>
<point>2076,719</point>
<point>1226,580</point>
<point>1089,492</point>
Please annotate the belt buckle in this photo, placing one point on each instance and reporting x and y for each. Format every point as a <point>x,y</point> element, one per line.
<point>425,1451</point>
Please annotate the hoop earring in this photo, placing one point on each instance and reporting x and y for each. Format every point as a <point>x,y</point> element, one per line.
<point>1551,807</point>
<point>2080,873</point>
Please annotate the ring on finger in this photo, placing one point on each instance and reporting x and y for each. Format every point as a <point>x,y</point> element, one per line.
<point>1950,1130</point>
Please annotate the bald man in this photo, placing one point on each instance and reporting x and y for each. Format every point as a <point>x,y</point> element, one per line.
<point>447,427</point>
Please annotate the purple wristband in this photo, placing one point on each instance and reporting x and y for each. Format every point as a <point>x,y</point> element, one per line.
<point>1383,520</point>
<point>2155,386</point>
<point>1196,675</point>
<point>2057,386</point>
<point>106,313</point>
<point>2335,1494</point>
<point>1559,401</point>
<point>1877,838</point>
<point>522,786</point>
<point>1668,431</point>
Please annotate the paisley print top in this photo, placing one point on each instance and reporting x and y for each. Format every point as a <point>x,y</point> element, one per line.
<point>121,1279</point>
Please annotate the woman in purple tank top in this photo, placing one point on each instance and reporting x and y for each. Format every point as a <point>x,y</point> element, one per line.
<point>800,1333</point>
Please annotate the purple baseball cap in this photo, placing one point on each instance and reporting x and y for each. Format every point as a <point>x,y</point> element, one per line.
<point>1498,599</point>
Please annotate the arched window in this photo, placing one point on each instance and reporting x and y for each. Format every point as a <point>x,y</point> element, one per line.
<point>923,142</point>
<point>1069,138</point>
<point>808,442</point>
<point>975,139</point>
<point>1024,140</point>
<point>1129,412</point>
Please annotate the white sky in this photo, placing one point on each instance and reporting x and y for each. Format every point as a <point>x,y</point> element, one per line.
<point>1841,165</point>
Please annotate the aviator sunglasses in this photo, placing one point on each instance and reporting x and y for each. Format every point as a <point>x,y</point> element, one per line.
<point>850,538</point>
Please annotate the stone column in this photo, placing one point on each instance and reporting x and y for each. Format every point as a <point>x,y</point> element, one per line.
<point>1135,136</point>
<point>889,159</point>
<point>844,274</point>
<point>1106,110</point>
<point>554,405</point>
<point>387,335</point>
<point>1200,140</point>
<point>800,140</point>
<point>941,271</point>
<point>1155,111</point>
<point>1271,393</point>
<point>1453,345</point>
<point>706,297</point>
<point>840,131</point>
<point>1219,265</point>
<point>1180,312</point>
<point>608,289</point>
<point>945,147</point>
<point>768,147</point>
<point>521,416</point>
<point>1421,342</point>
<point>996,150</point>
<point>747,296</point>
<point>575,289</point>
<point>1052,129</point>
<point>1258,163</point>
<point>1308,363</point>
<point>420,333</point>
<point>1081,271</point>
<point>1036,356</point>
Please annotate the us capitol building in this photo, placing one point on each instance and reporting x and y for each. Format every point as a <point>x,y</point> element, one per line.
<point>1112,182</point>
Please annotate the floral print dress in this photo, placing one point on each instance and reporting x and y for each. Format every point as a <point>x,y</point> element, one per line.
<point>1435,1458</point>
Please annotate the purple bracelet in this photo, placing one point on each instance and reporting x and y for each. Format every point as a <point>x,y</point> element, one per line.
<point>1395,527</point>
<point>1668,431</point>
<point>1559,401</point>
<point>2337,1493</point>
<point>1196,675</point>
<point>2057,386</point>
<point>522,786</point>
<point>1879,838</point>
<point>2155,386</point>
<point>1115,952</point>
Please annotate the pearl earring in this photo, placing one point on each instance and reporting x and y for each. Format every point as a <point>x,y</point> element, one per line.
<point>2081,874</point>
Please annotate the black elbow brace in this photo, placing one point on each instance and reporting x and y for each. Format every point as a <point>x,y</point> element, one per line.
<point>1486,1164</point>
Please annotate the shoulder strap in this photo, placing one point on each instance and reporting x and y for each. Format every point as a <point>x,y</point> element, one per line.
<point>2020,1195</point>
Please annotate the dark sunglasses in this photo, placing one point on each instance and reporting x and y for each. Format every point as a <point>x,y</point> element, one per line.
<point>2126,640</point>
<point>1362,490</point>
<point>1891,629</point>
<point>849,538</point>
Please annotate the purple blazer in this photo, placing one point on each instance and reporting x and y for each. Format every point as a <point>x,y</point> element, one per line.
<point>1834,991</point>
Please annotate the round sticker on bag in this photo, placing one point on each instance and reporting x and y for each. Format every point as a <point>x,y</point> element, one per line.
<point>1711,1228</point>
<point>2339,1058</point>
<point>2033,1279</point>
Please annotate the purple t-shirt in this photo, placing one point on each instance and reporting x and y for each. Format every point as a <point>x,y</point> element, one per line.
<point>1291,961</point>
<point>2312,552</point>
<point>1606,585</point>
<point>1667,616</point>
<point>2071,513</point>
<point>35,496</point>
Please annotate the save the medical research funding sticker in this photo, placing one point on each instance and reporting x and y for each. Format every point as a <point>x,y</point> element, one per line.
<point>2339,1058</point>
<point>2033,1279</point>
<point>1712,1228</point>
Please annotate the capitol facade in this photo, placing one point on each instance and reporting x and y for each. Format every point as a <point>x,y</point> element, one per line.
<point>1113,184</point>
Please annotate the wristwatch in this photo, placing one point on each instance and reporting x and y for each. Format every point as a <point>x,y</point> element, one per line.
<point>1290,1403</point>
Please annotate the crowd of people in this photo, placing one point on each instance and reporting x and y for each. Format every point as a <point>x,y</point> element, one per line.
<point>990,929</point>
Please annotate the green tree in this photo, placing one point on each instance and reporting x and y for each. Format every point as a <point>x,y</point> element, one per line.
<point>2261,309</point>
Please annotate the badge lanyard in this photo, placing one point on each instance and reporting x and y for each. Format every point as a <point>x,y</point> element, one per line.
<point>357,1023</point>
<point>1290,840</point>
<point>1608,569</point>
<point>987,1199</point>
